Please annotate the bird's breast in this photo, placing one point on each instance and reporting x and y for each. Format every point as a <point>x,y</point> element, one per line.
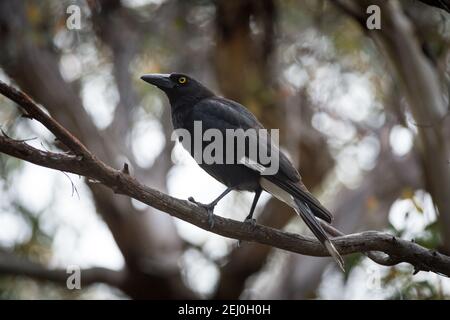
<point>234,176</point>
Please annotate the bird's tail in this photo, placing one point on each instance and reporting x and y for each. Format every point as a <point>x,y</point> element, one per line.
<point>306,214</point>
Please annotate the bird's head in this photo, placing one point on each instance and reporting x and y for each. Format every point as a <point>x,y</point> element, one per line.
<point>178,87</point>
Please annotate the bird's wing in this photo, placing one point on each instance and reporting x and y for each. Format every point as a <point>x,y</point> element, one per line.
<point>232,115</point>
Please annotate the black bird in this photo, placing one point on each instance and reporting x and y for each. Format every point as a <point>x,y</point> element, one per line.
<point>191,101</point>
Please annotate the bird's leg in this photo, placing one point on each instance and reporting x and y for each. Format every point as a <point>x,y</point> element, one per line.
<point>210,206</point>
<point>249,218</point>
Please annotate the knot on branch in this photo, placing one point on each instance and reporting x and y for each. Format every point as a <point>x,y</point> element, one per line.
<point>125,169</point>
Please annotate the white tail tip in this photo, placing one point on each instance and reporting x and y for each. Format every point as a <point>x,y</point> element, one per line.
<point>335,254</point>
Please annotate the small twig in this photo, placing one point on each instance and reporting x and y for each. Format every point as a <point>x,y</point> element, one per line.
<point>74,188</point>
<point>18,140</point>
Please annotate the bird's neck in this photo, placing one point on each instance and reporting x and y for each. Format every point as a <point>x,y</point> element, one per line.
<point>187,102</point>
<point>181,109</point>
<point>179,116</point>
<point>182,102</point>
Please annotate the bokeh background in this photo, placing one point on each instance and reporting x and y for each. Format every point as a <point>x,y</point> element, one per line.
<point>306,67</point>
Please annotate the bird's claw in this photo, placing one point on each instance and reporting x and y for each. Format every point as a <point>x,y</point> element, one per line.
<point>250,221</point>
<point>208,207</point>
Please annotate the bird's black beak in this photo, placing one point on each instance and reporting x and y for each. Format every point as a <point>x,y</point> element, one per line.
<point>160,80</point>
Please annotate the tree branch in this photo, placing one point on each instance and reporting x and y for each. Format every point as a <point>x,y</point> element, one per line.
<point>32,111</point>
<point>89,166</point>
<point>12,265</point>
<point>423,91</point>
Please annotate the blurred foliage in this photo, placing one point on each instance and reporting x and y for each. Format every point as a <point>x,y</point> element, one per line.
<point>310,30</point>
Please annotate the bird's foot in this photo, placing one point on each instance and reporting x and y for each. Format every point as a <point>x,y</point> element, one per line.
<point>209,207</point>
<point>250,221</point>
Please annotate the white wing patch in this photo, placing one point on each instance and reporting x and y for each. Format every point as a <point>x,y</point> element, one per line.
<point>277,192</point>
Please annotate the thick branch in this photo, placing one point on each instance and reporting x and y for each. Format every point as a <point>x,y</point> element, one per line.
<point>12,265</point>
<point>402,250</point>
<point>58,161</point>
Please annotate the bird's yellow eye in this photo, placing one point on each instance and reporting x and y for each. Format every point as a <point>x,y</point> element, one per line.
<point>182,80</point>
